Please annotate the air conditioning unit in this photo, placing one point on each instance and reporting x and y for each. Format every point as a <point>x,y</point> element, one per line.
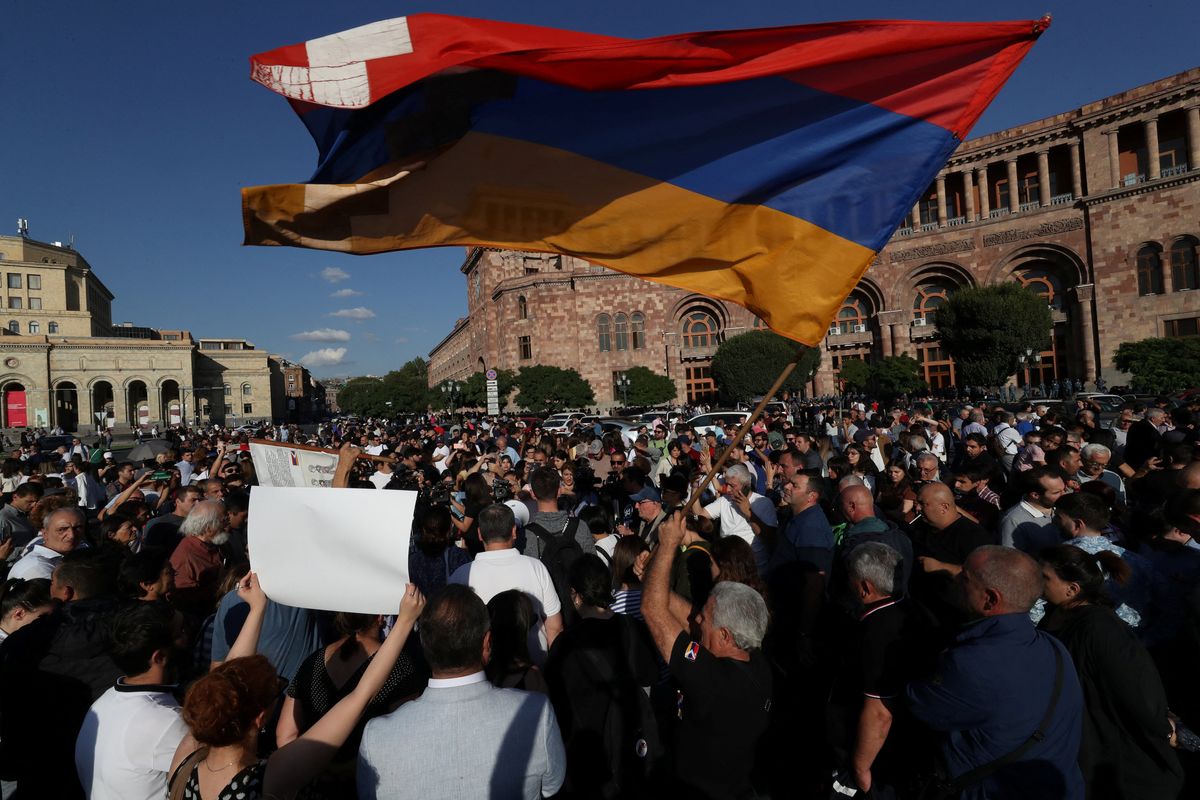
<point>835,330</point>
<point>919,322</point>
<point>860,328</point>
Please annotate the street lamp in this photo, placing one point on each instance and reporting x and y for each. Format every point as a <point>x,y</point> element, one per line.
<point>450,392</point>
<point>623,385</point>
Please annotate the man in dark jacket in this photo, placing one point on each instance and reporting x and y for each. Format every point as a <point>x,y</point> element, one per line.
<point>858,509</point>
<point>1144,438</point>
<point>51,671</point>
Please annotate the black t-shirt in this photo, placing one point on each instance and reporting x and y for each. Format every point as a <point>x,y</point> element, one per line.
<point>724,708</point>
<point>951,545</point>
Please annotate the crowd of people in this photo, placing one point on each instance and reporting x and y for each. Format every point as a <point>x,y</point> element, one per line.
<point>985,600</point>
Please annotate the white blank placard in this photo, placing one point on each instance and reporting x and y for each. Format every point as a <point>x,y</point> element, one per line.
<point>331,549</point>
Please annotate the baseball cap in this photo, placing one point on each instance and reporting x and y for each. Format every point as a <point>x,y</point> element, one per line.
<point>646,493</point>
<point>108,454</point>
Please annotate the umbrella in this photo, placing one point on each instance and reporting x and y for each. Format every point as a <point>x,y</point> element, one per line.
<point>147,450</point>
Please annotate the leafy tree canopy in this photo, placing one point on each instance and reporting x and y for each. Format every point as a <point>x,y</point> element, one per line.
<point>648,388</point>
<point>986,328</point>
<point>402,391</point>
<point>856,373</point>
<point>896,375</point>
<point>747,365</point>
<point>1161,365</point>
<point>543,388</point>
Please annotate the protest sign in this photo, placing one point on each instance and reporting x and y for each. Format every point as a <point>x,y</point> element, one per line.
<point>280,464</point>
<point>331,549</point>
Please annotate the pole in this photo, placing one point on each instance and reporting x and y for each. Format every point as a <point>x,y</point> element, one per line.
<point>737,437</point>
<point>311,448</point>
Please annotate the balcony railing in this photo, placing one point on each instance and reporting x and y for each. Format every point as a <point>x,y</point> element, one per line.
<point>1062,199</point>
<point>905,231</point>
<point>1178,169</point>
<point>1032,205</point>
<point>846,335</point>
<point>997,213</point>
<point>956,221</point>
<point>929,226</point>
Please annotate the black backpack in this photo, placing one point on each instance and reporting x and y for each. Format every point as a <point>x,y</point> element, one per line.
<point>558,552</point>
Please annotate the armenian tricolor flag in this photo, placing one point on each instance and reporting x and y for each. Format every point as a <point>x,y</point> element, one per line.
<point>765,167</point>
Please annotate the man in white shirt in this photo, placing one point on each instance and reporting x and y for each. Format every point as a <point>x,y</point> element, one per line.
<point>62,531</point>
<point>375,448</point>
<point>440,454</point>
<point>185,468</point>
<point>745,513</point>
<point>130,734</point>
<point>500,568</point>
<point>383,474</point>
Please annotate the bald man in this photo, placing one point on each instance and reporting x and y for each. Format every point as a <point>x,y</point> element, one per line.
<point>942,538</point>
<point>999,654</point>
<point>864,525</point>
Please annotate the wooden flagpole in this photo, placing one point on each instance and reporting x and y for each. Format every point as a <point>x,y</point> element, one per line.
<point>312,449</point>
<point>741,434</point>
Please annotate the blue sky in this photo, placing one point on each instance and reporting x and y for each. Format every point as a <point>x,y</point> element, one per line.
<point>133,125</point>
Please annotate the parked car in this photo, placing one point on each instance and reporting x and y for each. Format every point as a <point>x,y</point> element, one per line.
<point>561,422</point>
<point>707,423</point>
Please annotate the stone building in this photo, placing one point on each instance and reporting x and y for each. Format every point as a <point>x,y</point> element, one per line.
<point>1096,209</point>
<point>63,362</point>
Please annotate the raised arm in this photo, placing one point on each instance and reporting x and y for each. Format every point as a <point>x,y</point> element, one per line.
<point>347,455</point>
<point>656,589</point>
<point>251,592</point>
<point>294,765</point>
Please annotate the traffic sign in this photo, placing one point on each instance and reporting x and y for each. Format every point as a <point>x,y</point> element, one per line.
<point>490,374</point>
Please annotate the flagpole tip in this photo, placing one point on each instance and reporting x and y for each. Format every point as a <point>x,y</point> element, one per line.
<point>1042,23</point>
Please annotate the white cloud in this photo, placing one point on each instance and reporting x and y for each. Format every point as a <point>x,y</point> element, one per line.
<point>335,274</point>
<point>325,357</point>
<point>346,293</point>
<point>322,335</point>
<point>354,313</point>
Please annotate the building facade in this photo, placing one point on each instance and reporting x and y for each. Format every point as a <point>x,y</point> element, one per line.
<point>63,362</point>
<point>1096,209</point>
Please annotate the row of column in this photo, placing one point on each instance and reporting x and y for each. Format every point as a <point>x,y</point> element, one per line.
<point>1150,130</point>
<point>980,174</point>
<point>892,335</point>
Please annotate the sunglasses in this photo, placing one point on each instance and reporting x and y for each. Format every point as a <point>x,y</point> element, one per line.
<point>617,463</point>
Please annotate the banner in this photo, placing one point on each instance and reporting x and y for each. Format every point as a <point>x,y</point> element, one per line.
<point>331,549</point>
<point>279,464</point>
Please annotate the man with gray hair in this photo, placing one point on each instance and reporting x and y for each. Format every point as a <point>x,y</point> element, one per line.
<point>197,559</point>
<point>1004,689</point>
<point>1094,461</point>
<point>724,677</point>
<point>870,730</point>
<point>1144,438</point>
<point>745,513</point>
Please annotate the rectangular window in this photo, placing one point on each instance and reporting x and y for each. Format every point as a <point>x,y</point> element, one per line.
<point>247,408</point>
<point>526,347</point>
<point>14,302</point>
<point>245,388</point>
<point>35,304</point>
<point>1000,195</point>
<point>35,281</point>
<point>1189,326</point>
<point>701,388</point>
<point>14,280</point>
<point>228,390</point>
<point>228,409</point>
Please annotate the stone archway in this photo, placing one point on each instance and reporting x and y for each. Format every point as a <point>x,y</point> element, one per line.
<point>137,404</point>
<point>66,406</point>
<point>14,404</point>
<point>171,412</point>
<point>103,405</point>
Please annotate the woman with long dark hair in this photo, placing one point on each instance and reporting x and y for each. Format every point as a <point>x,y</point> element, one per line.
<point>1125,752</point>
<point>433,555</point>
<point>896,496</point>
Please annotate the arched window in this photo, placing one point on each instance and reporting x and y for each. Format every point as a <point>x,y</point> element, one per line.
<point>522,308</point>
<point>621,329</point>
<point>1150,270</point>
<point>53,327</point>
<point>852,315</point>
<point>1184,271</point>
<point>699,330</point>
<point>1044,284</point>
<point>228,390</point>
<point>14,326</point>
<point>246,389</point>
<point>637,326</point>
<point>929,297</point>
<point>604,332</point>
<point>35,327</point>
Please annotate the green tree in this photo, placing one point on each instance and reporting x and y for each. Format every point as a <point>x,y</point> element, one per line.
<point>896,375</point>
<point>543,388</point>
<point>473,393</point>
<point>985,329</point>
<point>856,373</point>
<point>408,388</point>
<point>1161,365</point>
<point>747,365</point>
<point>364,396</point>
<point>648,388</point>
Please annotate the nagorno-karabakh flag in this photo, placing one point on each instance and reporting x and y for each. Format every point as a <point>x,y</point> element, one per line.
<point>765,167</point>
